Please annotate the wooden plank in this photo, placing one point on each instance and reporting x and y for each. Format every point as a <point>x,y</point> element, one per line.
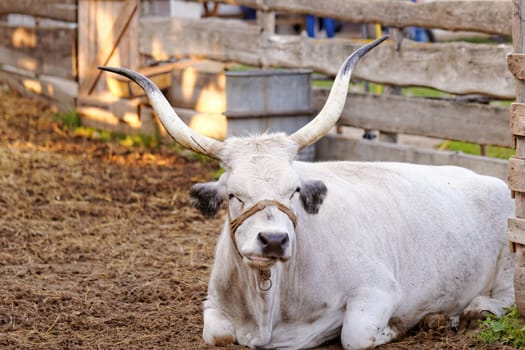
<point>213,38</point>
<point>99,118</point>
<point>105,100</point>
<point>102,118</point>
<point>516,230</point>
<point>60,67</point>
<point>516,170</point>
<point>459,68</point>
<point>56,41</point>
<point>112,41</point>
<point>482,69</point>
<point>42,50</point>
<point>518,44</point>
<point>516,65</point>
<point>482,15</point>
<point>439,118</point>
<point>338,147</point>
<point>516,174</point>
<point>60,92</point>
<point>62,10</point>
<point>517,119</point>
<point>199,85</point>
<point>160,75</point>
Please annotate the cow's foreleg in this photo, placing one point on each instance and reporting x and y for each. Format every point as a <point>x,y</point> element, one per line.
<point>500,295</point>
<point>218,330</point>
<point>368,319</point>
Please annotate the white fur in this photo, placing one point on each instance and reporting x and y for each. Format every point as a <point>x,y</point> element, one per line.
<point>391,241</point>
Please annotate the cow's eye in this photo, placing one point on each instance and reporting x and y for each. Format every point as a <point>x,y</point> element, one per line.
<point>297,190</point>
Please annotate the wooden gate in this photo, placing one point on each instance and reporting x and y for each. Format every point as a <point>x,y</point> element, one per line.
<point>516,179</point>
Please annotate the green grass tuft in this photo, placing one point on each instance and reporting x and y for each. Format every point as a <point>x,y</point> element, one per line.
<point>141,140</point>
<point>423,92</point>
<point>509,329</point>
<point>70,120</point>
<point>131,141</point>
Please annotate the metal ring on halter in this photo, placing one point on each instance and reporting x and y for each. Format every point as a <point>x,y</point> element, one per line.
<point>265,276</point>
<point>261,287</point>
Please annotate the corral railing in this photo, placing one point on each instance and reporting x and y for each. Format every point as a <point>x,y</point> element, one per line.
<point>456,68</point>
<point>56,56</point>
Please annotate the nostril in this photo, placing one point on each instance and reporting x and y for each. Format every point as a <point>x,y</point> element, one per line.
<point>262,237</point>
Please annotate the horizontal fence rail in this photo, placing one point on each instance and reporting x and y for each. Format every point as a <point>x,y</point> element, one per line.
<point>61,10</point>
<point>437,118</point>
<point>337,147</point>
<point>459,68</point>
<point>481,16</point>
<point>41,50</point>
<point>38,46</point>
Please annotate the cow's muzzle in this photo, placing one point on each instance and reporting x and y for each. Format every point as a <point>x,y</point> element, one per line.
<point>273,244</point>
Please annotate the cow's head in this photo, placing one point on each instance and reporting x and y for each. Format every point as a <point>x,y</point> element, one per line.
<point>265,196</point>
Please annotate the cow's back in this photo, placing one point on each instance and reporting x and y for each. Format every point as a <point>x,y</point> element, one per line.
<point>434,231</point>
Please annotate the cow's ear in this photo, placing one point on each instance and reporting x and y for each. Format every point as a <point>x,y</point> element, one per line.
<point>312,194</point>
<point>206,198</point>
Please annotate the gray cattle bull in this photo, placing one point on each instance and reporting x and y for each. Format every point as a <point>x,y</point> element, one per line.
<point>365,250</point>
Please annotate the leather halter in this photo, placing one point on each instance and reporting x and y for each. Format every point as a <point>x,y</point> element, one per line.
<point>238,221</point>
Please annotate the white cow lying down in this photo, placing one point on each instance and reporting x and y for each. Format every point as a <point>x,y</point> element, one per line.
<point>365,250</point>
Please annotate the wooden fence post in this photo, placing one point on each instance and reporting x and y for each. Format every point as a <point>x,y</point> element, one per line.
<point>107,34</point>
<point>516,170</point>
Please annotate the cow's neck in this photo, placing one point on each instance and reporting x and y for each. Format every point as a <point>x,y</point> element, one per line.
<point>265,299</point>
<point>261,292</point>
<point>239,290</point>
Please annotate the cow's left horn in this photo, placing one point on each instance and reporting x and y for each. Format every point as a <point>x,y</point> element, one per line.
<point>177,129</point>
<point>333,107</point>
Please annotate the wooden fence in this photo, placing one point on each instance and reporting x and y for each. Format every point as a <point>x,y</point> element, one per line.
<point>38,43</point>
<point>457,68</point>
<point>516,226</point>
<point>59,61</point>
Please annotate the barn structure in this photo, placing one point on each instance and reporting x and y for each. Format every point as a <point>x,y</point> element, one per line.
<point>50,50</point>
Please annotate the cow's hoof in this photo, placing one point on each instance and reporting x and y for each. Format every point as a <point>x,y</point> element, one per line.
<point>470,319</point>
<point>435,321</point>
<point>220,334</point>
<point>398,327</point>
<point>224,340</point>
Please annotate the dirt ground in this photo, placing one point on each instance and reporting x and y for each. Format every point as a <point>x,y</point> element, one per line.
<point>99,248</point>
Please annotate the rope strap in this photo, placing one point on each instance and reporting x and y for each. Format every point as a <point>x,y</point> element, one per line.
<point>257,207</point>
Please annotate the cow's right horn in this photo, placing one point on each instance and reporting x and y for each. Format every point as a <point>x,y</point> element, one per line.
<point>177,129</point>
<point>333,107</point>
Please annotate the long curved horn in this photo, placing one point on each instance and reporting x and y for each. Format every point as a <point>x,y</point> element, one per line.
<point>177,129</point>
<point>333,107</point>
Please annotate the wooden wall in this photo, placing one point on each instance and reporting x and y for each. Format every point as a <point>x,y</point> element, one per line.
<point>38,42</point>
